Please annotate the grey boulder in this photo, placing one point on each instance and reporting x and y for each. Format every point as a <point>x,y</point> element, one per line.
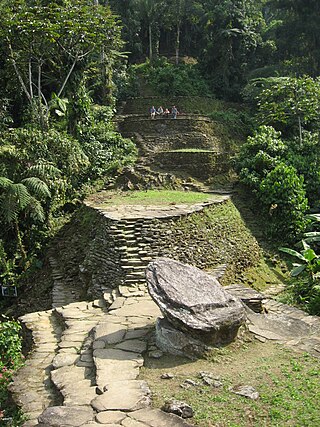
<point>194,302</point>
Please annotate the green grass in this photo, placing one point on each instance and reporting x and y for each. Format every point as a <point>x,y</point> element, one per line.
<point>153,197</point>
<point>189,150</point>
<point>288,385</point>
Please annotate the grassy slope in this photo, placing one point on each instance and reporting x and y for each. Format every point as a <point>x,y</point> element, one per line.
<point>288,385</point>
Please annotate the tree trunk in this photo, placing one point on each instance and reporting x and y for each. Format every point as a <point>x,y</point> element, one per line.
<point>30,79</point>
<point>150,43</point>
<point>177,43</point>
<point>19,242</point>
<point>300,129</point>
<point>67,77</point>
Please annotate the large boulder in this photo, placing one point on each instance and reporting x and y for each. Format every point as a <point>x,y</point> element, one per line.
<point>194,302</point>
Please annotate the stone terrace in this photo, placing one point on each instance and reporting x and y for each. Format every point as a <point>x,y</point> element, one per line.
<point>84,368</point>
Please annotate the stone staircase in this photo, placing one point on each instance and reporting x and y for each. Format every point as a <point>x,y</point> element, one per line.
<point>191,144</point>
<point>62,294</point>
<point>132,250</point>
<point>84,367</point>
<point>32,389</point>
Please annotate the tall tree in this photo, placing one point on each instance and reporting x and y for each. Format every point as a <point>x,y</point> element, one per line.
<point>231,37</point>
<point>298,36</point>
<point>150,12</point>
<point>47,44</point>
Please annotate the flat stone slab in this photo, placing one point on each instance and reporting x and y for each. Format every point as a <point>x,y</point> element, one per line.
<point>116,354</point>
<point>116,371</point>
<point>79,394</point>
<point>157,418</point>
<point>110,333</point>
<point>65,359</point>
<point>66,375</point>
<point>277,327</point>
<point>135,346</point>
<point>109,417</point>
<point>62,416</point>
<point>147,308</point>
<point>123,396</point>
<point>130,422</point>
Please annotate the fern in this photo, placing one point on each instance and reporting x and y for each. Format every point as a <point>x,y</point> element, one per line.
<point>35,210</point>
<point>44,171</point>
<point>5,182</point>
<point>9,209</point>
<point>20,194</point>
<point>36,187</point>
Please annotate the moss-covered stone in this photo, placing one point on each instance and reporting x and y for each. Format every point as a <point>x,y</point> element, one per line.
<point>105,252</point>
<point>198,164</point>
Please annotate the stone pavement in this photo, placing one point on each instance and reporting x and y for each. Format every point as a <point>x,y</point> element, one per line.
<point>287,325</point>
<point>84,368</point>
<point>85,364</point>
<point>279,322</point>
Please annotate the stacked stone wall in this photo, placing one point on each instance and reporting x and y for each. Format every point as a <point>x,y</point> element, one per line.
<point>201,164</point>
<point>122,248</point>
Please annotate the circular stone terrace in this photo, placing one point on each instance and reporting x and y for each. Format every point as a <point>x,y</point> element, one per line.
<point>151,204</point>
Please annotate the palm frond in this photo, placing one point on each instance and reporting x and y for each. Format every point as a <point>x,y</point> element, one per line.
<point>19,194</point>
<point>5,182</point>
<point>35,210</point>
<point>44,171</point>
<point>36,187</point>
<point>9,209</point>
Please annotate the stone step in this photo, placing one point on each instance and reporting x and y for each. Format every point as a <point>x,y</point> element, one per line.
<point>31,388</point>
<point>73,366</point>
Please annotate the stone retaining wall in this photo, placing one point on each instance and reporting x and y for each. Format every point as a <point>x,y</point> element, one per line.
<point>128,125</point>
<point>198,164</point>
<point>122,248</point>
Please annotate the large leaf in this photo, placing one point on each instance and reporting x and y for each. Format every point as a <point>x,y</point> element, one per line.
<point>45,171</point>
<point>5,182</point>
<point>37,187</point>
<point>9,209</point>
<point>35,210</point>
<point>312,236</point>
<point>297,270</point>
<point>309,254</point>
<point>314,217</point>
<point>293,253</point>
<point>19,193</point>
<point>305,245</point>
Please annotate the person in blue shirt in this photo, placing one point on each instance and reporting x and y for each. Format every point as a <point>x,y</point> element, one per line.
<point>174,112</point>
<point>153,112</point>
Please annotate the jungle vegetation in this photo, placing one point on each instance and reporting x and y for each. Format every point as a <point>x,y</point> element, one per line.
<point>65,64</point>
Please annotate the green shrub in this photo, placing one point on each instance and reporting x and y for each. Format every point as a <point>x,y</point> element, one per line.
<point>175,80</point>
<point>20,148</point>
<point>259,155</point>
<point>282,195</point>
<point>305,157</point>
<point>11,359</point>
<point>106,149</point>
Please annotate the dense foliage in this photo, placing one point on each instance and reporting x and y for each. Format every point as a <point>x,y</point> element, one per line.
<point>233,40</point>
<point>64,65</point>
<point>11,359</point>
<point>56,140</point>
